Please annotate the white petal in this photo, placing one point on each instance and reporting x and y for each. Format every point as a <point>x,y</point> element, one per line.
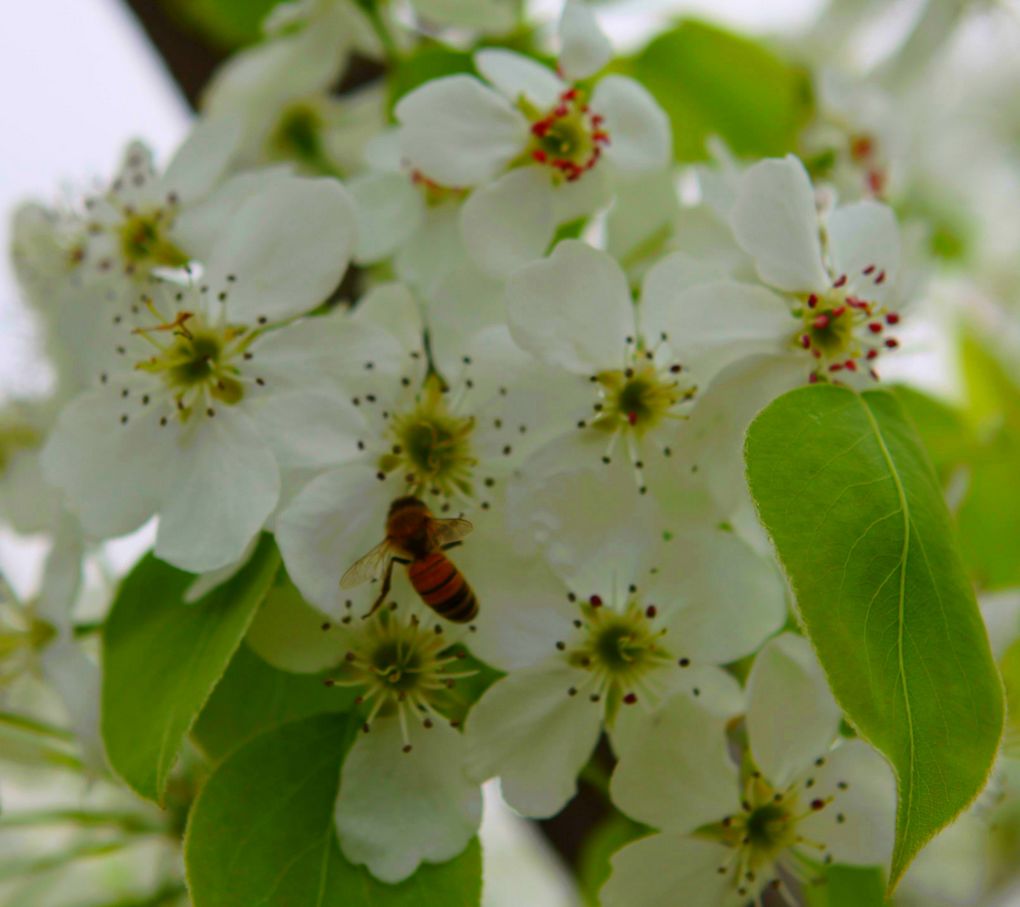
<point>509,223</point>
<point>647,205</point>
<point>309,429</point>
<point>202,161</point>
<point>28,503</point>
<point>112,474</point>
<point>390,209</point>
<point>584,49</point>
<point>580,198</point>
<point>730,599</point>
<point>335,519</point>
<point>432,252</point>
<point>289,635</point>
<point>857,826</point>
<point>775,222</point>
<point>205,583</point>
<point>76,678</point>
<point>712,441</point>
<point>514,75</point>
<point>200,226</point>
<point>527,730</point>
<point>678,774</point>
<point>328,351</point>
<point>523,604</point>
<point>392,307</point>
<point>287,247</point>
<point>396,810</point>
<point>670,869</point>
<point>639,132</point>
<point>864,237</point>
<point>713,324</point>
<point>458,132</point>
<point>792,718</point>
<point>572,310</point>
<point>491,16</point>
<point>223,485</point>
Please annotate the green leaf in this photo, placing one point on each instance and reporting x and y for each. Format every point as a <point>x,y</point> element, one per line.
<point>593,864</point>
<point>226,23</point>
<point>1010,666</point>
<point>253,697</point>
<point>162,658</point>
<point>989,516</point>
<point>943,428</point>
<point>712,82</point>
<point>261,832</point>
<point>856,513</point>
<point>848,886</point>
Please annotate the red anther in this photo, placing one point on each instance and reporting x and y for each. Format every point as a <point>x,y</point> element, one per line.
<point>871,354</point>
<point>812,378</point>
<point>805,341</point>
<point>630,698</point>
<point>876,181</point>
<point>816,353</point>
<point>892,343</point>
<point>540,127</point>
<point>820,322</point>
<point>861,147</point>
<point>597,119</point>
<point>632,418</point>
<point>836,367</point>
<point>812,300</point>
<point>875,327</point>
<point>651,611</point>
<point>892,318</point>
<point>569,94</point>
<point>840,281</point>
<point>881,277</point>
<point>838,311</point>
<point>595,601</point>
<point>600,136</point>
<point>817,805</point>
<point>870,269</point>
<point>561,110</point>
<point>850,365</point>
<point>539,155</point>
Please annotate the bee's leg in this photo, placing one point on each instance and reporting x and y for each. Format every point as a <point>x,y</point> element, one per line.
<point>450,545</point>
<point>387,579</point>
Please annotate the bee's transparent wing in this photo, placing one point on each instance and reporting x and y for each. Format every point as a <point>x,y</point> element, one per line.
<point>444,532</point>
<point>369,567</point>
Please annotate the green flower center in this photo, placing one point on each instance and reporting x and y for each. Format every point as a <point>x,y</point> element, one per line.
<point>145,244</point>
<point>403,669</point>
<point>843,332</point>
<point>432,446</point>
<point>199,362</point>
<point>638,398</point>
<point>621,649</point>
<point>568,138</point>
<point>298,134</point>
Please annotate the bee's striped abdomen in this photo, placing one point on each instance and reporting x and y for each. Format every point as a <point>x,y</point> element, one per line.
<point>442,587</point>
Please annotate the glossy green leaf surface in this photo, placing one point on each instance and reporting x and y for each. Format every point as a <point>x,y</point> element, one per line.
<point>262,833</point>
<point>162,657</point>
<point>712,82</point>
<point>857,517</point>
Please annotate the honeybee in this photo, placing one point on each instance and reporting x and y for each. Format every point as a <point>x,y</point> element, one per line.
<point>418,539</point>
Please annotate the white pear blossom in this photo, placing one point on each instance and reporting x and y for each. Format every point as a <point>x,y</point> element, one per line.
<point>493,17</point>
<point>832,294</point>
<point>405,797</point>
<point>209,402</point>
<point>730,833</point>
<point>621,388</point>
<point>537,151</point>
<point>279,89</point>
<point>632,634</point>
<point>451,437</point>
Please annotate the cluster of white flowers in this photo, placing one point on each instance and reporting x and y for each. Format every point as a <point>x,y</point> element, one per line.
<point>322,306</point>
